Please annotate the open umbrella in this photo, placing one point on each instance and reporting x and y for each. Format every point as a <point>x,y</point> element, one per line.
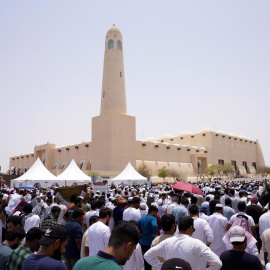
<point>27,187</point>
<point>188,187</point>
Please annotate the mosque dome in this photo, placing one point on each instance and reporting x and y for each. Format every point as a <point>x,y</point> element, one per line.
<point>222,132</point>
<point>243,137</point>
<point>186,133</point>
<point>114,30</point>
<point>166,136</point>
<point>207,129</point>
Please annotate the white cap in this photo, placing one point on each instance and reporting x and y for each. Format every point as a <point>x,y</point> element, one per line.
<point>219,205</point>
<point>154,204</point>
<point>143,206</point>
<point>237,234</point>
<point>159,202</point>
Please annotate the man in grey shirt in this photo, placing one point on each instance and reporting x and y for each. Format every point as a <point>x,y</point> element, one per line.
<point>180,210</point>
<point>227,209</point>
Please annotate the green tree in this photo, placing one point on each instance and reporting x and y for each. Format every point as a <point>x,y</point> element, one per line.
<point>163,173</point>
<point>264,171</point>
<point>173,173</point>
<point>228,169</point>
<point>91,173</point>
<point>144,170</point>
<point>212,170</point>
<point>220,168</point>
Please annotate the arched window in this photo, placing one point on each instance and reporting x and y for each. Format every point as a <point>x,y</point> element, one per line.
<point>110,44</point>
<point>119,45</point>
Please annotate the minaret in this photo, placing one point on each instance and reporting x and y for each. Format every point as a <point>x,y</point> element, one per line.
<point>113,95</point>
<point>113,131</point>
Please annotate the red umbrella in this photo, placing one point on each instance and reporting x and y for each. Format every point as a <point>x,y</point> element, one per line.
<point>188,187</point>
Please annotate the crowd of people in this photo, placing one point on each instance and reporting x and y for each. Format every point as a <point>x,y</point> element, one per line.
<point>137,227</point>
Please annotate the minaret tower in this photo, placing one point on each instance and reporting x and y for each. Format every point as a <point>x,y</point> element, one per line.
<point>113,95</point>
<point>113,131</point>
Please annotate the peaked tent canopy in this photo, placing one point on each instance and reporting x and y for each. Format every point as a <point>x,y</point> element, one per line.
<point>128,176</point>
<point>37,174</point>
<point>73,174</point>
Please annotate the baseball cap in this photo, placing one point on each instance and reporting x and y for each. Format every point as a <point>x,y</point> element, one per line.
<point>237,234</point>
<point>176,263</point>
<point>54,233</point>
<point>254,199</point>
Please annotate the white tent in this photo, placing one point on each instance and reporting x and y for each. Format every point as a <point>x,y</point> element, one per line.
<point>73,174</point>
<point>37,174</point>
<point>128,176</point>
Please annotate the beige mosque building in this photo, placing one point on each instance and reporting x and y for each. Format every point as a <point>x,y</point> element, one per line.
<point>114,141</point>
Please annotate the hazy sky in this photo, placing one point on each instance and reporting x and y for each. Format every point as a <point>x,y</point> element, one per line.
<point>188,65</point>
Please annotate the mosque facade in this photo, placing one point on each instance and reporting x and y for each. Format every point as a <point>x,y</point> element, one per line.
<point>114,141</point>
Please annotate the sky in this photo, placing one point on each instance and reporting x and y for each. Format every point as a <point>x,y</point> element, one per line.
<point>188,65</point>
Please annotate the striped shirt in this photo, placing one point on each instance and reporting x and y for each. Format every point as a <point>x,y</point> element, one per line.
<point>17,257</point>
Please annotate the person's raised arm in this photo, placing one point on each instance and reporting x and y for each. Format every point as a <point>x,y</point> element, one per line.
<point>61,199</point>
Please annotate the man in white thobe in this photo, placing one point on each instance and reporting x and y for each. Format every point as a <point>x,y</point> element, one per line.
<point>202,231</point>
<point>184,247</point>
<point>218,224</point>
<point>133,213</point>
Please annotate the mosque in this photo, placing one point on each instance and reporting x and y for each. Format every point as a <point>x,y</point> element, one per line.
<point>114,141</point>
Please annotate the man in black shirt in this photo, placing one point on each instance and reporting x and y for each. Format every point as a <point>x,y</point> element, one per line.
<point>255,211</point>
<point>237,258</point>
<point>213,203</point>
<point>265,198</point>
